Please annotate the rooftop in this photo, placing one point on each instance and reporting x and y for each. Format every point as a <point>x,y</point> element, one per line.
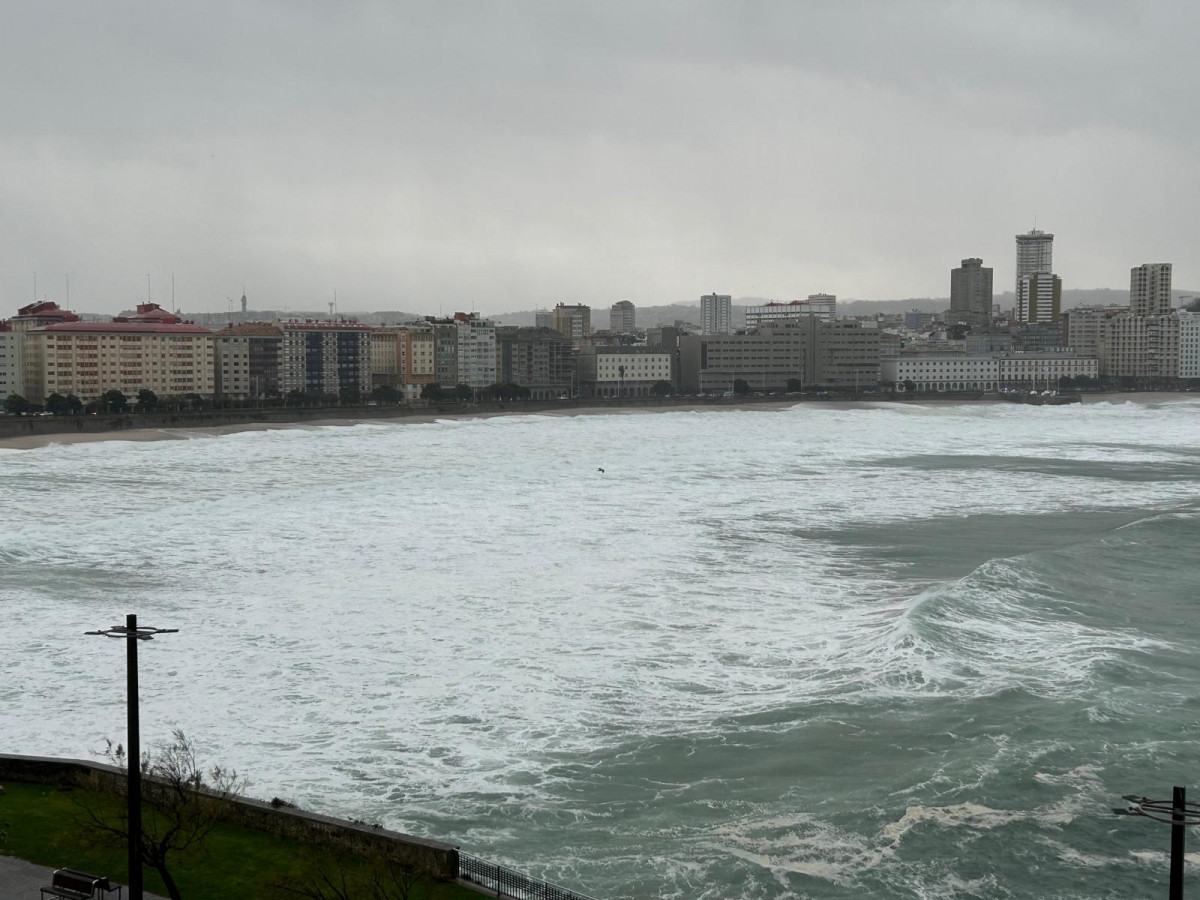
<point>116,327</point>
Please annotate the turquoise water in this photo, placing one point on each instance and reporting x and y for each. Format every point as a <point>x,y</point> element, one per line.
<point>893,652</point>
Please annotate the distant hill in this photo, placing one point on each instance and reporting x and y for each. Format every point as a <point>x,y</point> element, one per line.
<point>650,316</point>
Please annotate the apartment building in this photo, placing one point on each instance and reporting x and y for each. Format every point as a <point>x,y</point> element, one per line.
<point>1189,344</point>
<point>325,357</point>
<point>1140,346</point>
<point>716,314</point>
<point>1150,289</point>
<point>385,368</point>
<point>1083,327</point>
<point>622,317</point>
<point>10,362</point>
<point>444,333</point>
<point>971,293</point>
<point>540,359</point>
<point>574,321</point>
<point>151,349</point>
<point>246,360</point>
<point>476,350</point>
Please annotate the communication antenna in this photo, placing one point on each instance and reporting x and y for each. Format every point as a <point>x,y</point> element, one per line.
<point>68,291</point>
<point>147,287</point>
<point>35,285</point>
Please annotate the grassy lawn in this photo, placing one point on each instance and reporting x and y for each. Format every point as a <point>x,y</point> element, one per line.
<point>48,826</point>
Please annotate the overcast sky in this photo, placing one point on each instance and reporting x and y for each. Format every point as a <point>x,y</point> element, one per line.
<point>500,156</point>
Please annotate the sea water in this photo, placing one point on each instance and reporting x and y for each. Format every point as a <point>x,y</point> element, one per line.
<point>909,651</point>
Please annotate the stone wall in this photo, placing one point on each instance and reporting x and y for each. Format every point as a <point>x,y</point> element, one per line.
<point>433,858</point>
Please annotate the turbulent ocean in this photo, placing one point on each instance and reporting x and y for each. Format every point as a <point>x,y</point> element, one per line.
<point>910,651</point>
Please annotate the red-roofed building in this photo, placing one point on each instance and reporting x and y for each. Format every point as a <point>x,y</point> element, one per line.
<point>152,349</point>
<point>13,339</point>
<point>822,307</point>
<point>44,312</point>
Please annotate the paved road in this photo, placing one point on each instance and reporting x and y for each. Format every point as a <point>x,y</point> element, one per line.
<point>20,880</point>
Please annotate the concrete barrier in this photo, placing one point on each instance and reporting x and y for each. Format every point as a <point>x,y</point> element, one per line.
<point>433,858</point>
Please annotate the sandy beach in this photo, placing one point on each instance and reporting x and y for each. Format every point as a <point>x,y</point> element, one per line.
<point>36,441</point>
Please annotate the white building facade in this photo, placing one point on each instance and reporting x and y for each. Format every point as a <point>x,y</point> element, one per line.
<point>1189,345</point>
<point>818,306</point>
<point>1150,289</point>
<point>1035,253</point>
<point>941,372</point>
<point>623,371</point>
<point>716,314</point>
<point>476,350</point>
<point>1141,346</point>
<point>1043,371</point>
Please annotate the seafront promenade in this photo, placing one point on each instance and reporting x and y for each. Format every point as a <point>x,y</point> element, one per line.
<point>30,432</point>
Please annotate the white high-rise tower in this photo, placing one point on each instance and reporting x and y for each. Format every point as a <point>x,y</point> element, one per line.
<point>1035,253</point>
<point>1038,289</point>
<point>1150,289</point>
<point>716,314</point>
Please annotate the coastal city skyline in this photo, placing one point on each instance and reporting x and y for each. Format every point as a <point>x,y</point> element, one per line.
<point>51,358</point>
<point>392,152</point>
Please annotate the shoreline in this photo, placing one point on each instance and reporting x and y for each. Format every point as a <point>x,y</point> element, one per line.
<point>197,432</point>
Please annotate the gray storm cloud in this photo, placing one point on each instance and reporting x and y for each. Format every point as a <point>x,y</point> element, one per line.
<point>506,155</point>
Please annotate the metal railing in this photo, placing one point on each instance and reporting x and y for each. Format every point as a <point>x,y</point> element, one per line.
<point>509,883</point>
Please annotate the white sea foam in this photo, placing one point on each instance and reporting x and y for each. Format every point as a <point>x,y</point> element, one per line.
<point>464,628</point>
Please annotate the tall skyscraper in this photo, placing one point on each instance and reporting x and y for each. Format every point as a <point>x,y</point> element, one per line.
<point>971,292</point>
<point>621,317</point>
<point>1039,297</point>
<point>1150,289</point>
<point>716,314</point>
<point>1035,253</point>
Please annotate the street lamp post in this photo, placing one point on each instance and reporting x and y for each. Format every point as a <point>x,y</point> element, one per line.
<point>133,760</point>
<point>1179,813</point>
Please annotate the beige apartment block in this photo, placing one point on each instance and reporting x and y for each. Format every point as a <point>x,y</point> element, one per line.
<point>246,360</point>
<point>402,356</point>
<point>385,369</point>
<point>87,359</point>
<point>10,361</point>
<point>1083,327</point>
